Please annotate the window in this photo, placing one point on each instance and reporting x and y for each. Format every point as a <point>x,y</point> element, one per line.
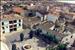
<point>15,29</point>
<point>15,25</point>
<point>11,30</point>
<point>19,20</point>
<point>19,24</point>
<point>71,36</point>
<point>10,22</point>
<point>2,23</point>
<point>11,26</point>
<point>3,28</point>
<point>15,21</point>
<point>3,31</point>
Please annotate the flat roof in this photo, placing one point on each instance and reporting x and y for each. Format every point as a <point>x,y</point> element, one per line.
<point>10,17</point>
<point>31,20</point>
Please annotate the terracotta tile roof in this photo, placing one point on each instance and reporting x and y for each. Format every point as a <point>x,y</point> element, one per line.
<point>17,9</point>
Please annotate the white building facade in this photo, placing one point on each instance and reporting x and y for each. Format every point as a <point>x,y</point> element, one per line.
<point>8,26</point>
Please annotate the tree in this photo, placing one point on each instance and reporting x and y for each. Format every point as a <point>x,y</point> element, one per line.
<point>5,7</point>
<point>21,37</point>
<point>52,38</point>
<point>31,34</point>
<point>62,47</point>
<point>38,31</point>
<point>46,38</point>
<point>55,39</point>
<point>13,46</point>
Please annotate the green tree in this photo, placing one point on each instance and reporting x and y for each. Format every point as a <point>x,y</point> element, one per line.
<point>13,46</point>
<point>52,37</point>
<point>55,39</point>
<point>21,37</point>
<point>61,47</point>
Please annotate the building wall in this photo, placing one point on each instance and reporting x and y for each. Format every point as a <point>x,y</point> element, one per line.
<point>45,17</point>
<point>6,26</point>
<point>39,15</point>
<point>52,18</point>
<point>6,23</point>
<point>17,26</point>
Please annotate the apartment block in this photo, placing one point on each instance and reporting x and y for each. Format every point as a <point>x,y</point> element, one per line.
<point>11,23</point>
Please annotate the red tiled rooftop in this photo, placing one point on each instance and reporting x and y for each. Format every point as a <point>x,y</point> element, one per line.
<point>17,9</point>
